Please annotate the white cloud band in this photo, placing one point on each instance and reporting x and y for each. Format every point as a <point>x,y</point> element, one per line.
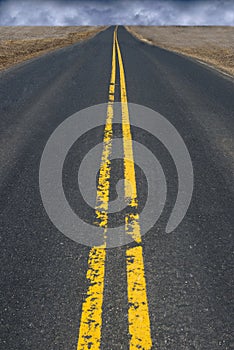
<point>51,12</point>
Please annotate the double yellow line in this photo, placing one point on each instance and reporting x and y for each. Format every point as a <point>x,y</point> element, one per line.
<point>138,314</point>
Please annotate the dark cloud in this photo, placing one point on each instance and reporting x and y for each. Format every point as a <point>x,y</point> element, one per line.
<point>98,12</point>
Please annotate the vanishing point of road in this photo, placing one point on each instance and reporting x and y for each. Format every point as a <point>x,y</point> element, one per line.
<point>162,291</point>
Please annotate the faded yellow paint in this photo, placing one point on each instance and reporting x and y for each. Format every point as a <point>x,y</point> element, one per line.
<point>102,199</point>
<point>138,313</point>
<point>91,317</point>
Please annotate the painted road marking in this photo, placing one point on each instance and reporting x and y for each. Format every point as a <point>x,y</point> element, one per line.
<point>138,314</point>
<point>91,316</point>
<point>214,68</point>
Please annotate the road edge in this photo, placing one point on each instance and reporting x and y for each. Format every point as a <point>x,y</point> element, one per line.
<point>43,54</point>
<point>191,58</point>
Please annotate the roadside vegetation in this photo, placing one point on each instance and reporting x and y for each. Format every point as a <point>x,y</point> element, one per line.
<point>18,44</point>
<point>213,45</point>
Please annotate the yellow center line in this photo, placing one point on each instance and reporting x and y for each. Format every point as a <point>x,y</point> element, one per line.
<point>91,316</point>
<point>138,313</point>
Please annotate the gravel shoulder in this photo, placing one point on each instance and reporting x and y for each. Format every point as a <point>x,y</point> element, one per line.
<point>213,45</point>
<point>18,44</point>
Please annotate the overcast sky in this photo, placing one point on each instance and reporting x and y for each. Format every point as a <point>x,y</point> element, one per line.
<point>98,12</point>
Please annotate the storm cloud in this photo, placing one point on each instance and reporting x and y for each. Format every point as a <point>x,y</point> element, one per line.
<point>106,12</point>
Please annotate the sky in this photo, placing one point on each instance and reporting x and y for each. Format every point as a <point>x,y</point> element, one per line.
<point>106,12</point>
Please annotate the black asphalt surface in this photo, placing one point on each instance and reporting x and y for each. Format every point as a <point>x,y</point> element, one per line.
<point>189,272</point>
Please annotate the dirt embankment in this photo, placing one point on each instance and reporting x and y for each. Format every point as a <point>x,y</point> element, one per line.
<point>18,44</point>
<point>213,45</point>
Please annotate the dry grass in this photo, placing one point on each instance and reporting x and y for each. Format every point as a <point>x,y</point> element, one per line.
<point>213,45</point>
<point>18,44</point>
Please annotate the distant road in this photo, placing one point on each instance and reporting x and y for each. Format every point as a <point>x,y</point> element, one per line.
<point>184,278</point>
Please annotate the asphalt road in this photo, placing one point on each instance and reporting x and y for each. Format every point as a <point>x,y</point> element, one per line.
<point>188,272</point>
